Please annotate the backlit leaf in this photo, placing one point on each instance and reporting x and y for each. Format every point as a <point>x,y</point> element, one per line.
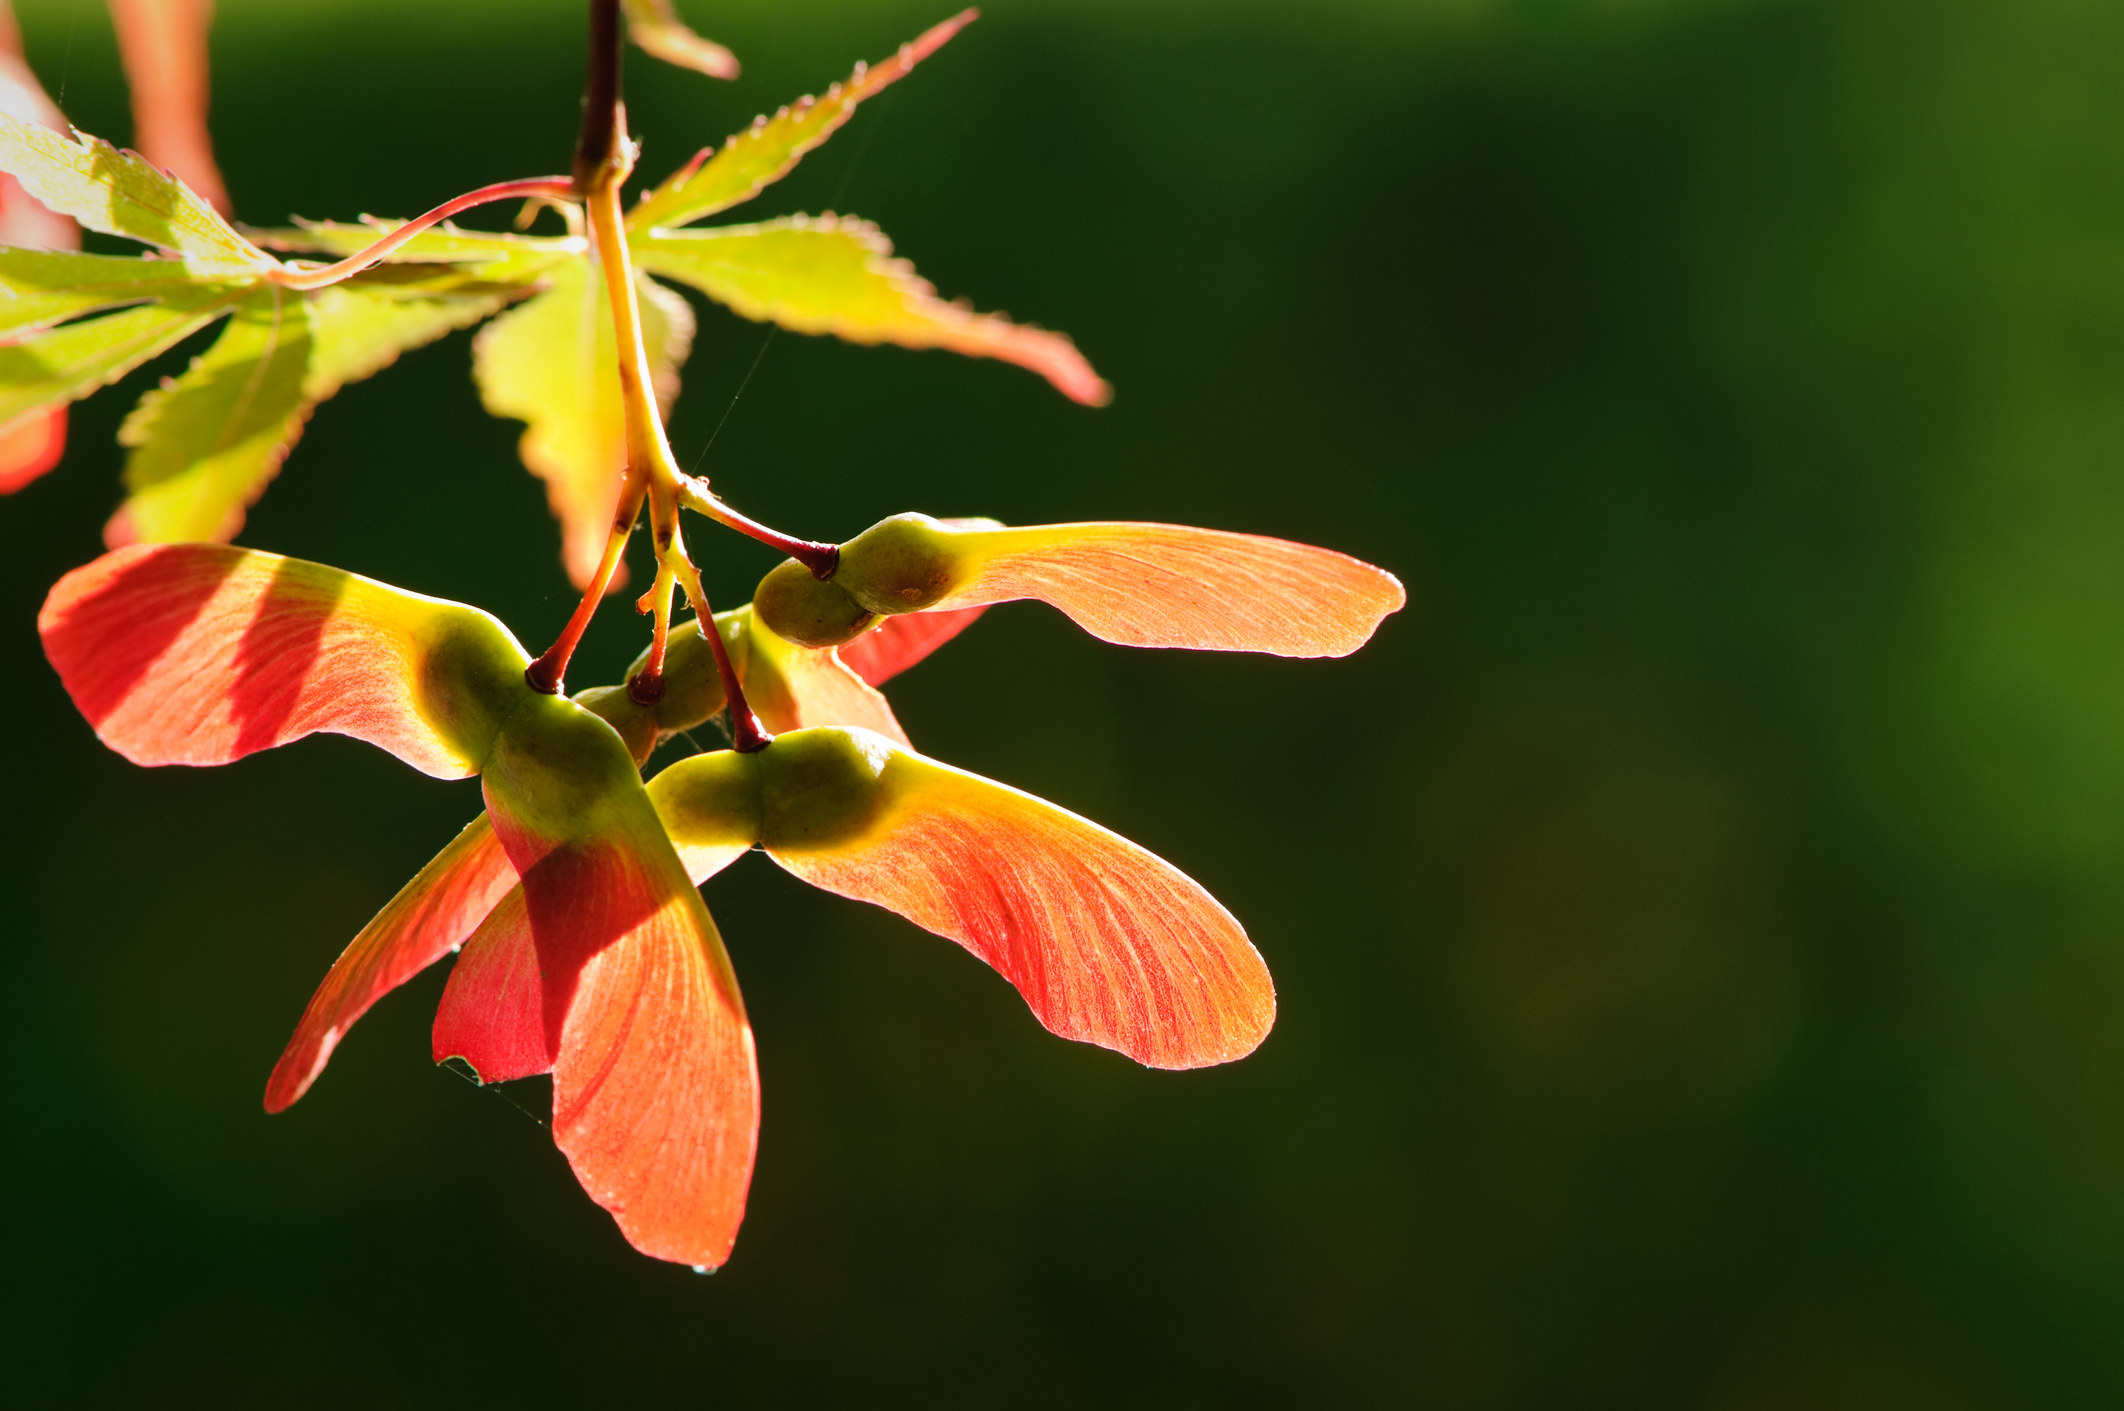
<point>655,25</point>
<point>360,328</point>
<point>121,193</point>
<point>834,275</point>
<point>70,361</point>
<point>551,364</point>
<point>764,152</point>
<point>205,444</point>
<point>39,288</point>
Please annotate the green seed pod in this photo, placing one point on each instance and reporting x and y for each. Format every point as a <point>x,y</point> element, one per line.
<point>693,691</point>
<point>635,722</point>
<point>903,564</point>
<point>471,677</point>
<point>819,788</point>
<point>710,802</point>
<point>807,611</point>
<point>555,764</point>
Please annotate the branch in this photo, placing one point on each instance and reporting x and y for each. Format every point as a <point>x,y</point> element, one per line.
<point>602,133</point>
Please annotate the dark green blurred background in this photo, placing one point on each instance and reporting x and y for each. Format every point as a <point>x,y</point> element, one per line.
<point>1698,920</point>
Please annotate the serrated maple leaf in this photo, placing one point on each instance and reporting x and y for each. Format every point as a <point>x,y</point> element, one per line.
<point>204,444</point>
<point>552,363</point>
<point>549,364</point>
<point>826,274</point>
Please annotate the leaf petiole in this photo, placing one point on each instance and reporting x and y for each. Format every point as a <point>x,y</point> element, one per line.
<point>557,189</point>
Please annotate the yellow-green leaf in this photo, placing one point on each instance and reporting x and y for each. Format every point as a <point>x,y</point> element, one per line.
<point>834,275</point>
<point>39,288</point>
<point>360,329</point>
<point>121,193</point>
<point>656,27</point>
<point>73,360</point>
<point>764,152</point>
<point>550,363</point>
<point>205,444</point>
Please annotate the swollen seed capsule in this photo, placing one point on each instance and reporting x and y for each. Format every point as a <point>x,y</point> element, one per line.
<point>819,788</point>
<point>710,801</point>
<point>802,609</point>
<point>903,564</point>
<point>693,689</point>
<point>636,723</point>
<point>471,677</point>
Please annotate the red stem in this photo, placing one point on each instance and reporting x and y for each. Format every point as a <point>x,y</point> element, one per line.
<point>550,671</point>
<point>747,735</point>
<point>550,188</point>
<point>821,559</point>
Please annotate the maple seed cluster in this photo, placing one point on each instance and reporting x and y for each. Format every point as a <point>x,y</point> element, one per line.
<point>584,947</point>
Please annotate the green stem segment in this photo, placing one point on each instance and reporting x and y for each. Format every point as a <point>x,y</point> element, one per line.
<point>604,158</point>
<point>648,451</point>
<point>646,687</point>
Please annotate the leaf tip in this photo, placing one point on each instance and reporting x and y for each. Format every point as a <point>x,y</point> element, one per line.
<point>30,447</point>
<point>119,530</point>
